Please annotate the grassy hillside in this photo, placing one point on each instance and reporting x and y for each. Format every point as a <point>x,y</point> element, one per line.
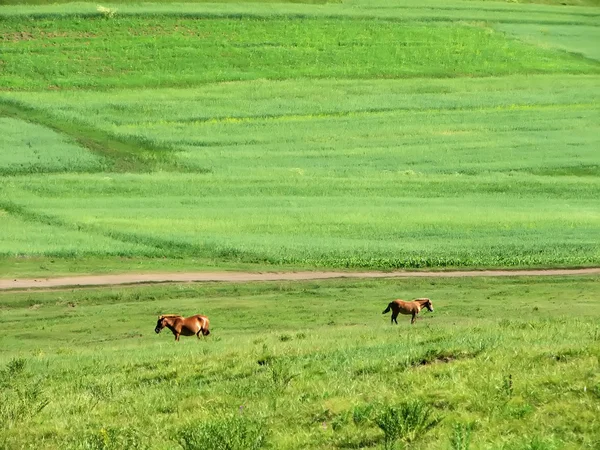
<point>313,365</point>
<point>295,135</point>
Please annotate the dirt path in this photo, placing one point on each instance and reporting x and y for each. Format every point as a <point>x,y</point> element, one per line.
<point>110,280</point>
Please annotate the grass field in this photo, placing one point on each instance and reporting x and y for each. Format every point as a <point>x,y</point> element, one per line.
<point>487,172</point>
<point>336,136</point>
<point>512,363</point>
<point>264,136</point>
<point>299,135</point>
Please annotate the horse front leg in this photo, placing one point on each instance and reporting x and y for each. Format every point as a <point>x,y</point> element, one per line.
<point>414,318</point>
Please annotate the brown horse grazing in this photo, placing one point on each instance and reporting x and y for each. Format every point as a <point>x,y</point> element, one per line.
<point>186,326</point>
<point>409,308</point>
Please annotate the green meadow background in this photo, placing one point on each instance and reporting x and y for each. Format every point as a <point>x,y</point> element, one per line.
<point>369,135</point>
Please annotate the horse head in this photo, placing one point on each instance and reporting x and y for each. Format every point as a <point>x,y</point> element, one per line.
<point>160,324</point>
<point>428,305</point>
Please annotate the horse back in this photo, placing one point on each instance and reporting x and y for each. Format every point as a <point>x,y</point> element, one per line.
<point>405,307</point>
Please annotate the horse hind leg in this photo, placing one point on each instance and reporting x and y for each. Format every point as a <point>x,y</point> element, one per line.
<point>394,319</point>
<point>414,318</point>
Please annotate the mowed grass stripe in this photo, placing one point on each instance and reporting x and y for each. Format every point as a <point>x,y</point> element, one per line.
<point>443,126</point>
<point>63,53</point>
<point>30,148</point>
<point>22,237</point>
<point>268,98</point>
<point>412,10</point>
<point>123,243</point>
<point>115,153</point>
<point>354,229</point>
<point>380,112</point>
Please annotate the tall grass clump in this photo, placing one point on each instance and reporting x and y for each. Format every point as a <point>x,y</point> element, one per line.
<point>110,438</point>
<point>20,398</point>
<point>461,437</point>
<point>236,432</point>
<point>405,422</point>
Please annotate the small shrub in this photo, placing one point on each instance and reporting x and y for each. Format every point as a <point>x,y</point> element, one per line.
<point>233,433</point>
<point>517,410</point>
<point>405,422</point>
<point>281,374</point>
<point>595,390</point>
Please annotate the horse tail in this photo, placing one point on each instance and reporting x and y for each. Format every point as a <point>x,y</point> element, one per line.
<point>387,310</point>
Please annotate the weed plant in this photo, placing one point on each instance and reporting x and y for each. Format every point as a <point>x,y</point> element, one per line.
<point>404,422</point>
<point>233,433</point>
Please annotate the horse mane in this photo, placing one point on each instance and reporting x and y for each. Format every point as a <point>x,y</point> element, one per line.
<point>170,315</point>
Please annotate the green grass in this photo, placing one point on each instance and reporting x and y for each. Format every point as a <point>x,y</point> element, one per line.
<point>579,39</point>
<point>514,360</point>
<point>31,148</point>
<point>125,2</point>
<point>554,2</point>
<point>333,128</point>
<point>407,11</point>
<point>21,238</point>
<point>166,51</point>
<point>383,232</point>
<point>30,266</point>
<point>497,172</point>
<point>109,152</point>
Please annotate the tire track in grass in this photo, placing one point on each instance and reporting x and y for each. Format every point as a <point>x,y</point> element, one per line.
<point>165,247</point>
<point>126,154</point>
<point>371,112</point>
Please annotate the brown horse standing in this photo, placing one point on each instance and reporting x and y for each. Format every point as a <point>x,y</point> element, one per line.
<point>408,308</point>
<point>186,326</point>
